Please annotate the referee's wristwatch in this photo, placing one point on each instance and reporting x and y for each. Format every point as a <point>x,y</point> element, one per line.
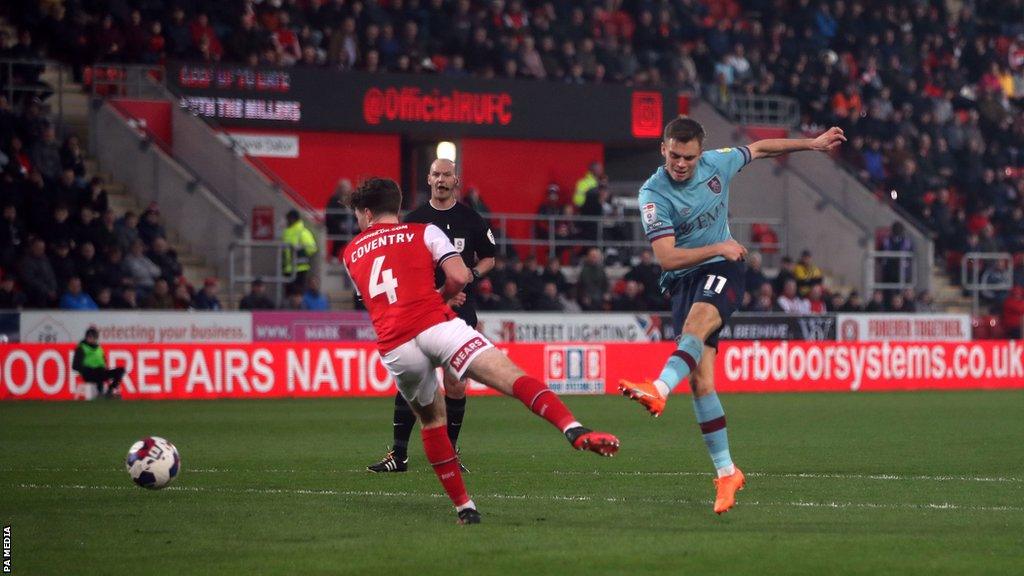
<point>475,273</point>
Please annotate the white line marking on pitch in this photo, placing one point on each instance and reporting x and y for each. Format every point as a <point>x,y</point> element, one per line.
<point>808,475</point>
<point>798,475</point>
<point>558,498</point>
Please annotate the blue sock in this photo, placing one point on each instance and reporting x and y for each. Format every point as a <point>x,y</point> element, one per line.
<point>711,418</point>
<point>683,361</point>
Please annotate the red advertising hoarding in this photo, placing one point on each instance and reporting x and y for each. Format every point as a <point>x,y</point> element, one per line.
<point>275,370</point>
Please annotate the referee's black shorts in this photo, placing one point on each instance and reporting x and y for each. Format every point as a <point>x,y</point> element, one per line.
<point>468,313</point>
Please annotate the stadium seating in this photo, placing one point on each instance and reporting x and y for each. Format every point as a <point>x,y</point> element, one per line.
<point>930,94</point>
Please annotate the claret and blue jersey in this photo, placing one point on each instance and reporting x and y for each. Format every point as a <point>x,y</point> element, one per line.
<point>695,212</point>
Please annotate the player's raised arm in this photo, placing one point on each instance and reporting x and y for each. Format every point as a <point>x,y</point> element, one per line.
<point>671,257</point>
<point>770,148</point>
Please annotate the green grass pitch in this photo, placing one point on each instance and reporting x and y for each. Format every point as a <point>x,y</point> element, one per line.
<point>914,483</point>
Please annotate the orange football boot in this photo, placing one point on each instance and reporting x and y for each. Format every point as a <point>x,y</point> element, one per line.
<point>645,393</point>
<point>727,487</point>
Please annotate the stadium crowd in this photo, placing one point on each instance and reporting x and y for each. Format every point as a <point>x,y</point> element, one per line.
<point>797,287</point>
<point>62,245</point>
<point>930,92</point>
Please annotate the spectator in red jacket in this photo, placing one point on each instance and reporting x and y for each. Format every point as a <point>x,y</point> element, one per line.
<point>1013,312</point>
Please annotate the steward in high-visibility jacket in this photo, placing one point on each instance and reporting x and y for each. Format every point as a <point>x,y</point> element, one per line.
<point>299,237</point>
<point>91,363</point>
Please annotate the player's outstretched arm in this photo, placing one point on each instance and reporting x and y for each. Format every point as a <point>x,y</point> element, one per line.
<point>770,148</point>
<point>672,258</point>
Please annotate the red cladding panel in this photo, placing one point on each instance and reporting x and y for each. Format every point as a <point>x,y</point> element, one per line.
<point>156,114</point>
<point>513,175</point>
<point>326,157</point>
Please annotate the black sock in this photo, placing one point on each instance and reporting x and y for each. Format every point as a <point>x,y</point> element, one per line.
<point>405,420</point>
<point>456,408</point>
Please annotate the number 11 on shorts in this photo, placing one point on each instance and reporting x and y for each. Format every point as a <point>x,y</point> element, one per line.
<point>707,285</point>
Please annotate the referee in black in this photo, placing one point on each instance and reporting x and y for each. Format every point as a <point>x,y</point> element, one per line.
<point>472,237</point>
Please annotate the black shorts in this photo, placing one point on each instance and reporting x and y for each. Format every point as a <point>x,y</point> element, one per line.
<point>468,313</point>
<point>720,284</point>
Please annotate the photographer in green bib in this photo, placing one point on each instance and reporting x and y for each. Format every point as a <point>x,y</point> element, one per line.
<point>302,240</point>
<point>90,361</point>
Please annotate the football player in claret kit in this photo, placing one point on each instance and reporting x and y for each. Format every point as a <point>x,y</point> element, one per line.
<point>684,207</point>
<point>392,265</point>
<point>472,238</point>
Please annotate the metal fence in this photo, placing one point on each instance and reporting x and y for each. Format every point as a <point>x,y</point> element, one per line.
<point>105,80</point>
<point>758,110</point>
<point>21,80</point>
<point>879,268</point>
<point>623,234</point>
<point>263,259</point>
<point>986,274</point>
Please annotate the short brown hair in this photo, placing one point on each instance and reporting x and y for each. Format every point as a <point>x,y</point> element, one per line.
<point>380,195</point>
<point>683,129</point>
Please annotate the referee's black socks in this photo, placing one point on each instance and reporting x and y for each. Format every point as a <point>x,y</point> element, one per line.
<point>456,409</point>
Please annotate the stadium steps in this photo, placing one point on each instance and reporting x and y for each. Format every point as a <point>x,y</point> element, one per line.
<point>76,119</point>
<point>948,296</point>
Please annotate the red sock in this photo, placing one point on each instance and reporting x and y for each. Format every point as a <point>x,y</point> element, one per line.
<point>441,456</point>
<point>543,402</point>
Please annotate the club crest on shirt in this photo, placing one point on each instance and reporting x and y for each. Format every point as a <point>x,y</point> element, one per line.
<point>685,212</point>
<point>460,244</point>
<point>715,185</point>
<point>650,212</point>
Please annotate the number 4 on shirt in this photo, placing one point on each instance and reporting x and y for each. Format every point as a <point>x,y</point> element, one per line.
<point>383,281</point>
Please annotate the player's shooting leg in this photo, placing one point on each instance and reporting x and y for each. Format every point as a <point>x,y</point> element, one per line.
<point>455,404</point>
<point>702,320</point>
<point>494,369</point>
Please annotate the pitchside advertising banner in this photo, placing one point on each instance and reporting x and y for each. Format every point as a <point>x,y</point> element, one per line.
<point>905,327</point>
<point>276,370</point>
<point>322,99</point>
<point>545,327</point>
<point>309,327</point>
<point>137,327</point>
<point>499,327</point>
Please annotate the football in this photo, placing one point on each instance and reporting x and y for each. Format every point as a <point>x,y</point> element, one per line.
<point>153,462</point>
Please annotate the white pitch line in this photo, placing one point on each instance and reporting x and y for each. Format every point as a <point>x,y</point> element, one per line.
<point>556,498</point>
<point>639,473</point>
<point>808,475</point>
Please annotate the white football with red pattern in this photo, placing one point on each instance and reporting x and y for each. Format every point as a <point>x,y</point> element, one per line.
<point>153,462</point>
